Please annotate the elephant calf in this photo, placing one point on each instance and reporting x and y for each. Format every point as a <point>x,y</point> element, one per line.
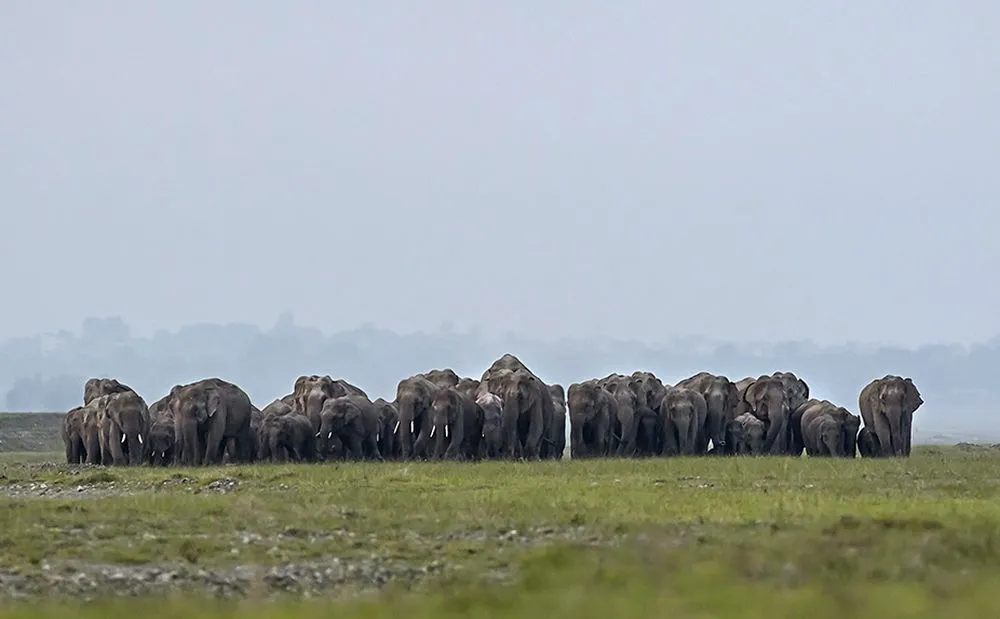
<point>829,430</point>
<point>745,436</point>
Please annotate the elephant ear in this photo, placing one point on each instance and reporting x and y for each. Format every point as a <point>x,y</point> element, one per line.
<point>734,397</point>
<point>351,413</point>
<point>913,398</point>
<point>752,394</point>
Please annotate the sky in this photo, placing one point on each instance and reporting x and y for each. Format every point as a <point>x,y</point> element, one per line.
<point>767,170</point>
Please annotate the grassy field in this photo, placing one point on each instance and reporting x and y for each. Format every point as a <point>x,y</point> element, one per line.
<point>701,537</point>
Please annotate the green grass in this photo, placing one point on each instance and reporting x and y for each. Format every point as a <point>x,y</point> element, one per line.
<point>751,537</point>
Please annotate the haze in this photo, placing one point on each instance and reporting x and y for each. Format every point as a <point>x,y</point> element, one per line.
<point>747,171</point>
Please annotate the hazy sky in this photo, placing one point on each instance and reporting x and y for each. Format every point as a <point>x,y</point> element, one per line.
<point>767,169</point>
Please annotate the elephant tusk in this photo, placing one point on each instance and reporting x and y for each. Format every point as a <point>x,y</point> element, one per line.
<point>123,439</point>
<point>318,433</point>
<point>411,427</point>
<point>395,428</point>
<point>140,439</point>
<point>433,430</point>
<point>330,435</point>
<point>446,430</point>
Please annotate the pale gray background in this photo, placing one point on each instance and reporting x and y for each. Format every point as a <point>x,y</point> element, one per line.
<point>745,170</point>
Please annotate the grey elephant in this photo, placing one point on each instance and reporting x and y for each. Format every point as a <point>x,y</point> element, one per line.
<point>456,425</point>
<point>161,448</point>
<point>554,443</point>
<point>649,390</point>
<point>123,419</point>
<point>683,413</point>
<point>353,421</point>
<point>887,405</point>
<point>768,400</point>
<point>625,425</point>
<point>388,414</point>
<point>413,401</point>
<point>208,414</point>
<point>72,433</point>
<point>311,392</point>
<point>527,413</point>
<point>721,397</point>
<point>96,387</point>
<point>284,437</point>
<point>829,430</point>
<point>492,439</point>
<point>745,436</point>
<point>528,407</point>
<point>868,445</point>
<point>591,412</point>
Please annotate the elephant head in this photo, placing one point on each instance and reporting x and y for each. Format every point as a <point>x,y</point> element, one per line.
<point>311,392</point>
<point>160,448</point>
<point>682,411</point>
<point>749,431</point>
<point>129,426</point>
<point>442,378</point>
<point>649,388</point>
<point>446,413</point>
<point>851,425</point>
<point>795,387</point>
<point>887,406</point>
<point>338,415</point>
<point>96,387</point>
<point>831,435</point>
<point>767,399</point>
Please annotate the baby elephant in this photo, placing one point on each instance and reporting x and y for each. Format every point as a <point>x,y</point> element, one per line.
<point>829,430</point>
<point>745,436</point>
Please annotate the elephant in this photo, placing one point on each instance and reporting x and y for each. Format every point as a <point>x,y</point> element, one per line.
<point>73,436</point>
<point>649,390</point>
<point>795,444</point>
<point>554,443</point>
<point>442,378</point>
<point>284,437</point>
<point>683,412</point>
<point>413,400</point>
<point>353,421</point>
<point>887,405</point>
<point>310,392</point>
<point>388,446</point>
<point>721,397</point>
<point>591,412</point>
<point>625,426</point>
<point>527,412</point>
<point>207,413</point>
<point>868,445</point>
<point>492,440</point>
<point>649,433</point>
<point>457,422</point>
<point>123,419</point>
<point>768,400</point>
<point>162,444</point>
<point>745,436</point>
<point>795,387</point>
<point>96,387</point>
<point>829,430</point>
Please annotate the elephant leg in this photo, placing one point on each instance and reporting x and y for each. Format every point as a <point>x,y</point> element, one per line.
<point>214,443</point>
<point>376,454</point>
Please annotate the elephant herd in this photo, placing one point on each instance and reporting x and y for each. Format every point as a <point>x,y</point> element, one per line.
<point>507,413</point>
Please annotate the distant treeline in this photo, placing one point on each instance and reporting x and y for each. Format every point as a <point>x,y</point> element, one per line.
<point>44,372</point>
